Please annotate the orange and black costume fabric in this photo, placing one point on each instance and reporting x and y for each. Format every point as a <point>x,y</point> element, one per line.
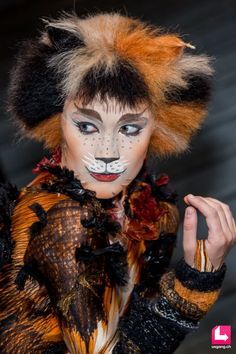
<point>76,279</point>
<point>84,275</point>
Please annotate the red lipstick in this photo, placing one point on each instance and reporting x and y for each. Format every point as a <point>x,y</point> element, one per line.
<point>105,177</point>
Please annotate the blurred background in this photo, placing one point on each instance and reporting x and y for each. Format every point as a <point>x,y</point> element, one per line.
<point>209,169</point>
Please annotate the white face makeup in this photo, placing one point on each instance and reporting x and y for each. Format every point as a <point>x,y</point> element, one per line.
<point>105,145</point>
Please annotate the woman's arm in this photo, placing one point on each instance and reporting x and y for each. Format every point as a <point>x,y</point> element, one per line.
<point>159,324</point>
<point>184,295</point>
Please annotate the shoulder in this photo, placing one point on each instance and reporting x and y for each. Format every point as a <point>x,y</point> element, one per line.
<point>31,195</point>
<point>18,215</point>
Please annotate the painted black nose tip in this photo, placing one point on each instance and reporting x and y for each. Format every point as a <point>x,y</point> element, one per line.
<point>107,159</point>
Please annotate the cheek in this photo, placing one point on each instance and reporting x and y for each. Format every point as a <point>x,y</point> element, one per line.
<point>78,144</point>
<point>135,146</point>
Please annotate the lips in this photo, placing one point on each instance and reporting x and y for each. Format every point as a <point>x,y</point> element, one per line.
<point>105,177</point>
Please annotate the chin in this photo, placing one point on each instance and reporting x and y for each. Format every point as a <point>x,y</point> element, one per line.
<point>104,190</point>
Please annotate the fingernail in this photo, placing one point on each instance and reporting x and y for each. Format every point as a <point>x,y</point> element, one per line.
<point>189,211</point>
<point>191,196</point>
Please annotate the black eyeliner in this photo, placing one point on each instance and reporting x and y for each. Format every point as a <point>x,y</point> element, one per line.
<point>78,124</point>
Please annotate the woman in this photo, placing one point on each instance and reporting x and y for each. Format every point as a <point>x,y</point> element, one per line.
<point>87,244</point>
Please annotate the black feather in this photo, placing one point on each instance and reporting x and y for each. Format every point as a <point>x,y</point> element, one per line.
<point>156,260</point>
<point>25,272</point>
<point>116,261</point>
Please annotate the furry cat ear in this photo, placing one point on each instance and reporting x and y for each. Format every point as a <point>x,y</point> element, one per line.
<point>170,47</point>
<point>63,39</point>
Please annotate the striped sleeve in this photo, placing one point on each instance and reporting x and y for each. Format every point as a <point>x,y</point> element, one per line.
<point>193,290</point>
<point>159,324</point>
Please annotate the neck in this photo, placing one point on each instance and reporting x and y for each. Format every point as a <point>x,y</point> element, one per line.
<point>117,200</point>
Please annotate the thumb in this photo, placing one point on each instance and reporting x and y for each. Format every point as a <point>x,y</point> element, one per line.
<point>190,235</point>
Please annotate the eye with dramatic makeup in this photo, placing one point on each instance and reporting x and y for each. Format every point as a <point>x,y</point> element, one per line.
<point>130,129</point>
<point>86,127</point>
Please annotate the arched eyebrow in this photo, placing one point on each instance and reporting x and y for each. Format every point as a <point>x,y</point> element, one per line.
<point>88,112</point>
<point>128,117</point>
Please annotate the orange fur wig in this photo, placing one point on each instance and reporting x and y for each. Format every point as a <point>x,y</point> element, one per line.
<point>110,55</point>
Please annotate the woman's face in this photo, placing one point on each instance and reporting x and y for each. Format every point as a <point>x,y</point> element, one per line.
<point>104,144</point>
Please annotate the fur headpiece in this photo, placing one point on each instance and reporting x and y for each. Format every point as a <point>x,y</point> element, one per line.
<point>114,56</point>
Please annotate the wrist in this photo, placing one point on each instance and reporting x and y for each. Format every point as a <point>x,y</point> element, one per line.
<point>196,279</point>
<point>202,262</point>
<point>191,291</point>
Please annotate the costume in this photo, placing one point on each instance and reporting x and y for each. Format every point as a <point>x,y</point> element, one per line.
<point>83,274</point>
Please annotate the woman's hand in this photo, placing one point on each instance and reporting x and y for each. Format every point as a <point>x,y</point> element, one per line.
<point>221,229</point>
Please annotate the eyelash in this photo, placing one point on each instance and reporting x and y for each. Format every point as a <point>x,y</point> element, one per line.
<point>133,126</point>
<point>80,124</point>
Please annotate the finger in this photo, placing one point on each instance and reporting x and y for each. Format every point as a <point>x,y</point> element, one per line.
<point>190,234</point>
<point>228,234</point>
<point>231,231</point>
<point>221,213</point>
<point>211,214</point>
<point>186,199</point>
<point>228,214</point>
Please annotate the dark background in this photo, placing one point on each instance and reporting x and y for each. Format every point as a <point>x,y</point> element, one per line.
<point>208,170</point>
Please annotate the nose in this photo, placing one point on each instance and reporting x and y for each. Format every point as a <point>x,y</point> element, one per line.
<point>107,159</point>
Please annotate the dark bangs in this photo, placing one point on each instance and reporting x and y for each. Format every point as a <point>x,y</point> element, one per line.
<point>121,82</point>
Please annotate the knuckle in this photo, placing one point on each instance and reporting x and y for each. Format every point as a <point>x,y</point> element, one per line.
<point>213,212</point>
<point>227,208</point>
<point>222,242</point>
<point>188,226</point>
<point>218,208</point>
